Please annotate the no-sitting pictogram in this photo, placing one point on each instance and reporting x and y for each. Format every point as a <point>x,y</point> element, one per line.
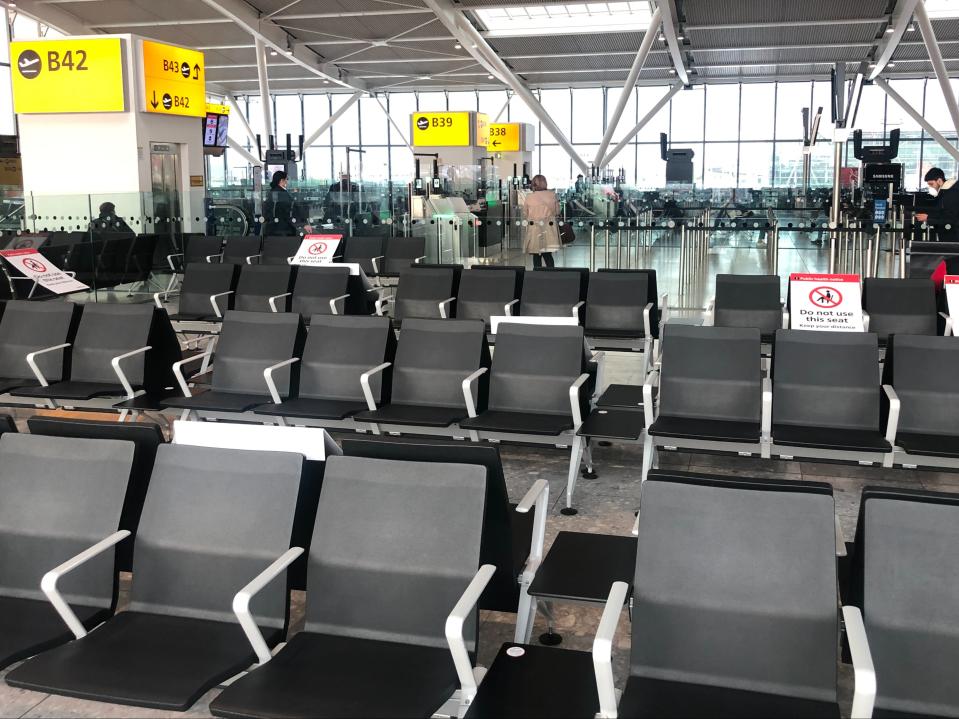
<point>318,248</point>
<point>828,297</point>
<point>34,265</point>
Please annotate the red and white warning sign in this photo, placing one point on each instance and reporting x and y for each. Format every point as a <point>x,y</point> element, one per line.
<point>317,250</point>
<point>951,283</point>
<point>825,302</point>
<point>39,269</point>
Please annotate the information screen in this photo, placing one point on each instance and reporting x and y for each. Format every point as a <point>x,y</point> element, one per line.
<point>215,130</point>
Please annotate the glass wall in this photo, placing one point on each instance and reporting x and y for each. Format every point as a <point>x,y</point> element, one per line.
<point>744,135</point>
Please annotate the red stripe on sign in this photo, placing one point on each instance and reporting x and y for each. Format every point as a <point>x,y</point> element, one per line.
<point>18,253</point>
<point>951,279</point>
<point>823,278</point>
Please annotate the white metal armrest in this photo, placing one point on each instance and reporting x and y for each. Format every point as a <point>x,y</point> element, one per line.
<point>115,362</point>
<point>49,582</point>
<point>785,319</point>
<point>216,307</point>
<point>334,300</point>
<point>271,383</point>
<point>574,400</point>
<point>576,308</point>
<point>652,379</point>
<point>169,260</point>
<point>603,649</point>
<point>508,307</point>
<point>708,318</point>
<point>380,305</point>
<point>365,384</point>
<point>892,423</point>
<point>864,696</point>
<point>278,297</point>
<point>419,260</point>
<point>647,319</point>
<point>241,602</point>
<point>454,631</point>
<point>376,265</point>
<point>767,410</point>
<point>32,361</point>
<point>249,259</point>
<point>178,370</point>
<point>444,307</point>
<point>950,325</point>
<point>538,496</point>
<point>635,531</point>
<point>865,320</point>
<point>289,260</point>
<point>468,390</point>
<point>209,258</point>
<point>158,301</point>
<point>664,306</point>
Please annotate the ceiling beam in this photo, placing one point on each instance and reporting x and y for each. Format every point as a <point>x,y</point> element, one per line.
<point>65,22</point>
<point>890,40</point>
<point>670,22</point>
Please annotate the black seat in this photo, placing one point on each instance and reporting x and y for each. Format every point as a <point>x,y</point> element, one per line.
<point>749,301</point>
<point>318,290</point>
<point>424,291</point>
<point>377,597</point>
<point>900,306</point>
<point>905,579</point>
<point>213,519</point>
<point>367,252</point>
<point>58,496</point>
<point>279,250</point>
<point>826,393</point>
<point>730,617</point>
<point>617,307</point>
<point>250,343</point>
<point>533,369</point>
<point>139,260</point>
<point>7,424</point>
<point>241,250</point>
<point>28,327</point>
<point>259,284</point>
<point>145,437</point>
<point>554,293</point>
<point>138,337</point>
<point>401,253</point>
<point>432,360</point>
<point>204,285</point>
<point>338,351</point>
<point>488,292</point>
<point>200,248</point>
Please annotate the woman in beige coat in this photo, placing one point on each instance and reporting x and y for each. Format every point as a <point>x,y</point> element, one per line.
<point>541,231</point>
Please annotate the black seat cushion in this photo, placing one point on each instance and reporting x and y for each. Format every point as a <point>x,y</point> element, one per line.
<point>151,660</point>
<point>29,626</point>
<point>519,422</point>
<point>313,408</point>
<point>621,424</point>
<point>214,401</point>
<point>626,396</point>
<point>659,698</point>
<point>932,445</point>
<point>72,390</point>
<point>7,424</point>
<point>852,440</point>
<point>189,317</point>
<point>705,429</point>
<point>416,415</point>
<point>8,384</point>
<point>318,675</point>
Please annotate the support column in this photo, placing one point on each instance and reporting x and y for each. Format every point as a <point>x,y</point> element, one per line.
<point>264,88</point>
<point>932,47</point>
<point>231,100</point>
<point>333,118</point>
<point>395,126</point>
<point>642,123</point>
<point>917,116</point>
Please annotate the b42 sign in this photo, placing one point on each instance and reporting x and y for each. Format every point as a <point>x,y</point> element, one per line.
<point>75,75</point>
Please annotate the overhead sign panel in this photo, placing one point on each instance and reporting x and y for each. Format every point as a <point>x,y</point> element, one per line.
<point>482,129</point>
<point>441,129</point>
<point>504,137</point>
<point>77,75</point>
<point>174,80</point>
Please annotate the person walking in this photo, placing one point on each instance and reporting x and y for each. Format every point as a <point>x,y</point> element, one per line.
<point>541,230</point>
<point>945,215</point>
<point>279,210</point>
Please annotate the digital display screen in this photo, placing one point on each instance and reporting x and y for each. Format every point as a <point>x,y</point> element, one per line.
<point>879,209</point>
<point>222,130</point>
<point>215,130</point>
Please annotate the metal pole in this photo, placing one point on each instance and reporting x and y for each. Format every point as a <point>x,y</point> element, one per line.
<point>918,118</point>
<point>264,87</point>
<point>509,99</point>
<point>242,118</point>
<point>935,57</point>
<point>592,247</point>
<point>628,86</point>
<point>642,123</point>
<point>354,98</point>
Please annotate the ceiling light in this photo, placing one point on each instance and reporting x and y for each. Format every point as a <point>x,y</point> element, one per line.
<point>489,77</point>
<point>458,46</point>
<point>425,77</point>
<point>890,29</point>
<point>672,71</point>
<point>549,18</point>
<point>911,27</point>
<point>891,64</point>
<point>273,53</point>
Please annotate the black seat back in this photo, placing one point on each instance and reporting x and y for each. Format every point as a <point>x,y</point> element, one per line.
<point>199,247</point>
<point>279,250</point>
<point>421,290</point>
<point>826,379</point>
<point>201,281</point>
<point>58,496</point>
<point>900,306</point>
<point>31,326</point>
<point>139,262</point>
<point>395,546</point>
<point>922,369</point>
<point>907,575</point>
<point>316,286</point>
<point>434,357</point>
<point>748,301</point>
<point>339,349</point>
<point>711,373</point>
<point>7,424</point>
<point>212,521</point>
<point>236,250</point>
<point>362,250</point>
<point>552,293</point>
<point>652,296</point>
<point>721,599</point>
<point>401,252</point>
<point>145,437</point>
<point>533,368</point>
<point>485,293</point>
<point>107,331</point>
<point>615,304</point>
<point>258,283</point>
<point>250,342</point>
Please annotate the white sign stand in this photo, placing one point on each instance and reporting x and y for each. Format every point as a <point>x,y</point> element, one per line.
<point>39,269</point>
<point>951,283</point>
<point>825,302</point>
<point>316,250</point>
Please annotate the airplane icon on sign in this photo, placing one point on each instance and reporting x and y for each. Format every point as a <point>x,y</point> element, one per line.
<point>25,63</point>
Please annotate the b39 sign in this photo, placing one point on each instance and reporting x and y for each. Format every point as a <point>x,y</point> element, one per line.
<point>825,302</point>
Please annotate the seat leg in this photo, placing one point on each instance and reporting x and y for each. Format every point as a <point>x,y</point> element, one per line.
<point>649,456</point>
<point>589,472</point>
<point>525,615</point>
<point>549,638</point>
<point>575,457</point>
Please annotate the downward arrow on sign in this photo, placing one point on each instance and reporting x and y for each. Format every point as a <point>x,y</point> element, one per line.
<point>154,103</point>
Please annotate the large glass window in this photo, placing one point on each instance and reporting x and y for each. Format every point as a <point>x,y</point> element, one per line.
<point>375,125</point>
<point>587,115</point>
<point>719,163</point>
<point>757,113</point>
<point>755,164</point>
<point>646,98</point>
<point>557,106</point>
<point>912,92</point>
<point>686,124</point>
<point>432,101</point>
<point>722,114</point>
<point>288,119</point>
<point>791,99</point>
<point>346,130</point>
<point>316,111</point>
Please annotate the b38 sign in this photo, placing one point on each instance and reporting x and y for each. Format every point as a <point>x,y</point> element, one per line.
<point>825,302</point>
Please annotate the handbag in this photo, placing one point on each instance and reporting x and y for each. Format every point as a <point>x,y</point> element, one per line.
<point>567,235</point>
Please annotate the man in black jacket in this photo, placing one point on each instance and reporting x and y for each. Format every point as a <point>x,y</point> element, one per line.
<point>945,215</point>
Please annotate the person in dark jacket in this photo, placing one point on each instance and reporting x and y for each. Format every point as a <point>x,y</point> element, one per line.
<point>945,215</point>
<point>109,221</point>
<point>279,211</point>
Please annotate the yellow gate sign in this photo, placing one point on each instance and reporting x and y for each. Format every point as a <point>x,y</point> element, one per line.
<point>504,137</point>
<point>174,80</point>
<point>482,129</point>
<point>441,129</point>
<point>77,75</point>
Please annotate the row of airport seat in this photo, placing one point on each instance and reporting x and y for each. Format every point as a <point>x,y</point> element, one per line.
<point>733,583</point>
